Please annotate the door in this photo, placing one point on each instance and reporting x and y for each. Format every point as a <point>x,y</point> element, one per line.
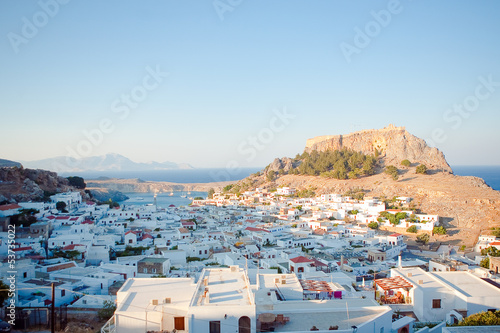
<point>244,325</point>
<point>179,323</point>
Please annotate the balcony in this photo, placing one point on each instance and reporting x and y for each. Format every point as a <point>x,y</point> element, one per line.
<point>109,327</point>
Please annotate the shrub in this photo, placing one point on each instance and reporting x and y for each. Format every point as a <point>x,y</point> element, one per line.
<point>422,169</point>
<point>107,310</point>
<point>485,263</point>
<point>439,230</point>
<point>373,225</point>
<point>405,163</point>
<point>412,229</point>
<point>486,318</point>
<point>391,170</point>
<point>423,238</point>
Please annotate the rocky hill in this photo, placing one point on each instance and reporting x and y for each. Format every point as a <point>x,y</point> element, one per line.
<point>467,205</point>
<point>8,163</point>
<point>393,143</point>
<point>19,184</point>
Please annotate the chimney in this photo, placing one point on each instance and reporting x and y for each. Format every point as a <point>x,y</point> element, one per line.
<point>400,265</point>
<point>342,262</point>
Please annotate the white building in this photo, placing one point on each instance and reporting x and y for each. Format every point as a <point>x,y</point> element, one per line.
<point>438,296</point>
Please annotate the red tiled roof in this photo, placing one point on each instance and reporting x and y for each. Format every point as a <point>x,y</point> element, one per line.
<point>256,229</point>
<point>62,218</point>
<point>395,235</point>
<point>9,207</point>
<point>71,247</point>
<point>147,236</point>
<point>300,259</point>
<point>61,266</point>
<point>188,223</point>
<point>88,222</point>
<point>26,248</point>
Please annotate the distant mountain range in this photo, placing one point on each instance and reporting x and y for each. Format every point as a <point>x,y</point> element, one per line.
<point>108,162</point>
<point>9,164</point>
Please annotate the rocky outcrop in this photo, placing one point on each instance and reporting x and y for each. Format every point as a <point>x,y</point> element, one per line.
<point>106,195</point>
<point>285,164</point>
<point>393,143</point>
<point>19,184</point>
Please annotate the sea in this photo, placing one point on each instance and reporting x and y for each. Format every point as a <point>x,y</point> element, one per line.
<point>164,199</point>
<point>202,175</point>
<point>489,173</point>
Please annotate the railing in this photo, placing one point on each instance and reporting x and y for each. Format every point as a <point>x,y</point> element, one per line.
<point>280,294</point>
<point>109,327</point>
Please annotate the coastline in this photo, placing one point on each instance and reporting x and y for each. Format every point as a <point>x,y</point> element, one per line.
<point>140,186</point>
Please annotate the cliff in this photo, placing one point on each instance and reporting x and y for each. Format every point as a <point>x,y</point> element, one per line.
<point>138,185</point>
<point>19,184</point>
<point>393,143</point>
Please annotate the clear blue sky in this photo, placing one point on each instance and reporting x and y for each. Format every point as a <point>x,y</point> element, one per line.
<point>226,76</point>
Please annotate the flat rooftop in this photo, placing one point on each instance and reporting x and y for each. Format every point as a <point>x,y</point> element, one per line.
<point>323,314</point>
<point>468,284</point>
<point>223,286</point>
<point>414,275</point>
<point>136,294</point>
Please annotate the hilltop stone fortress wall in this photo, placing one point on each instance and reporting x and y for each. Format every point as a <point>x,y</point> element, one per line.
<point>393,143</point>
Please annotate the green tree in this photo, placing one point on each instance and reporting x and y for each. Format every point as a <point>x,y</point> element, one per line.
<point>405,163</point>
<point>401,215</point>
<point>422,169</point>
<point>113,204</point>
<point>61,206</point>
<point>276,267</point>
<point>271,175</point>
<point>373,225</point>
<point>211,192</point>
<point>439,230</point>
<point>352,175</point>
<point>392,171</point>
<point>198,198</point>
<point>490,251</point>
<point>423,238</point>
<point>412,229</point>
<point>486,318</point>
<point>107,310</point>
<point>77,182</point>
<point>485,263</point>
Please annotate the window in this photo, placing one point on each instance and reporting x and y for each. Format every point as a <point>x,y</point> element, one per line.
<point>214,327</point>
<point>63,293</point>
<point>25,275</point>
<point>179,323</point>
<point>436,304</point>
